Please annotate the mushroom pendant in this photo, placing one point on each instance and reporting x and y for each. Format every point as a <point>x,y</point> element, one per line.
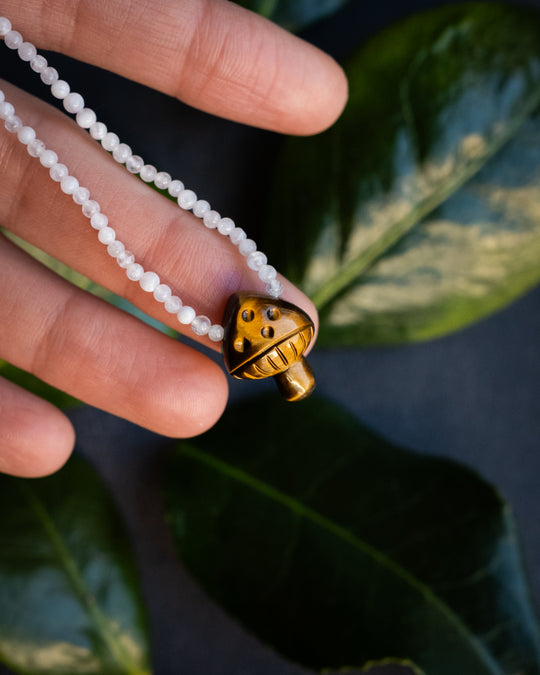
<point>265,337</point>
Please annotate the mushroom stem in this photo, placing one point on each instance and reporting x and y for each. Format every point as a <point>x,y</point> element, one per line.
<point>297,381</point>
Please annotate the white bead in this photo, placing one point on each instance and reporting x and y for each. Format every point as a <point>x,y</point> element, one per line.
<point>5,26</point>
<point>134,271</point>
<point>134,164</point>
<point>173,304</point>
<point>149,282</point>
<point>60,89</point>
<point>225,226</point>
<point>27,51</point>
<point>186,315</point>
<point>110,141</point>
<point>6,110</point>
<point>162,180</point>
<point>267,273</point>
<point>85,118</point>
<point>186,199</point>
<point>148,173</point>
<point>115,248</point>
<point>98,221</point>
<point>58,171</point>
<point>247,246</point>
<point>162,292</point>
<point>49,75</point>
<point>98,131</point>
<point>274,288</point>
<point>13,123</point>
<point>2,96</point>
<point>38,63</point>
<point>201,325</point>
<point>201,207</point>
<point>13,39</point>
<point>73,102</point>
<point>35,148</point>
<point>256,260</point>
<point>122,153</point>
<point>106,235</point>
<point>80,195</point>
<point>48,158</point>
<point>69,184</point>
<point>215,333</point>
<point>90,208</point>
<point>125,259</point>
<point>175,188</point>
<point>26,134</point>
<point>211,219</point>
<point>237,235</point>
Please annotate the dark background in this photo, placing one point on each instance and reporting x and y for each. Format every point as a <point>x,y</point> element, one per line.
<point>473,396</point>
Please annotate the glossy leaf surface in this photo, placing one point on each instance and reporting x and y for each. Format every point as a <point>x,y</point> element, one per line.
<point>69,596</point>
<point>293,14</point>
<point>417,213</point>
<point>338,548</point>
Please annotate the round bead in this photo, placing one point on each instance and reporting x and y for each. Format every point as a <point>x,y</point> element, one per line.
<point>2,96</point>
<point>125,259</point>
<point>201,325</point>
<point>247,246</point>
<point>38,63</point>
<point>49,75</point>
<point>13,123</point>
<point>90,208</point>
<point>148,173</point>
<point>106,235</point>
<point>48,158</point>
<point>201,207</point>
<point>162,180</point>
<point>110,141</point>
<point>122,153</point>
<point>134,271</point>
<point>27,51</point>
<point>80,195</point>
<point>98,221</point>
<point>237,235</point>
<point>58,171</point>
<point>267,273</point>
<point>13,39</point>
<point>115,248</point>
<point>149,282</point>
<point>216,332</point>
<point>36,147</point>
<point>60,89</point>
<point>85,118</point>
<point>175,188</point>
<point>186,315</point>
<point>69,184</point>
<point>186,199</point>
<point>6,110</point>
<point>162,292</point>
<point>256,260</point>
<point>225,226</point>
<point>274,288</point>
<point>173,304</point>
<point>211,219</point>
<point>74,102</point>
<point>134,164</point>
<point>98,131</point>
<point>5,26</point>
<point>26,134</point>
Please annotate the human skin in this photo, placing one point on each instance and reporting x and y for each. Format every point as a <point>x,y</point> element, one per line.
<point>210,54</point>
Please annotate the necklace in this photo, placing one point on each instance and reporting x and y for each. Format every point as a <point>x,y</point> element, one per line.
<point>262,335</point>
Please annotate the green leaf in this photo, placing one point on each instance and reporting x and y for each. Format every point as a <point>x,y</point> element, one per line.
<point>417,212</point>
<point>338,548</point>
<point>293,14</point>
<point>69,595</point>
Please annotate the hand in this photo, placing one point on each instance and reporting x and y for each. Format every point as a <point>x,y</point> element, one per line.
<point>213,55</point>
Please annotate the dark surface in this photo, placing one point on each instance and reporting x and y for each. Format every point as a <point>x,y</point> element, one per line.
<point>473,396</point>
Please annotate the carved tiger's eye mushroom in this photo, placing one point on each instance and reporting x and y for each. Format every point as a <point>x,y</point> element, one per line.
<point>265,337</point>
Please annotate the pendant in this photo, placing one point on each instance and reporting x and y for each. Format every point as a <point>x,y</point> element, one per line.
<point>266,337</point>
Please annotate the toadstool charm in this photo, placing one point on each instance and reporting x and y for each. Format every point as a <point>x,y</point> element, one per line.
<point>265,337</point>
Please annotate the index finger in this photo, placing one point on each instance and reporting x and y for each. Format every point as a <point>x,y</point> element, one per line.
<point>211,54</point>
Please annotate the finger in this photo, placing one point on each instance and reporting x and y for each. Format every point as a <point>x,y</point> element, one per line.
<point>211,54</point>
<point>36,439</point>
<point>202,266</point>
<point>101,355</point>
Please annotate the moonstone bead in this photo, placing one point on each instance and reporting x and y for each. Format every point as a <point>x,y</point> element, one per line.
<point>90,208</point>
<point>211,219</point>
<point>49,75</point>
<point>26,134</point>
<point>215,333</point>
<point>201,325</point>
<point>134,164</point>
<point>125,259</point>
<point>225,226</point>
<point>73,102</point>
<point>86,118</point>
<point>149,282</point>
<point>80,195</point>
<point>48,159</point>
<point>36,147</point>
<point>60,89</point>
<point>69,184</point>
<point>186,199</point>
<point>247,246</point>
<point>98,221</point>
<point>201,207</point>
<point>134,271</point>
<point>38,63</point>
<point>98,131</point>
<point>5,26</point>
<point>27,51</point>
<point>110,141</point>
<point>2,96</point>
<point>115,248</point>
<point>175,188</point>
<point>148,173</point>
<point>186,315</point>
<point>274,288</point>
<point>106,235</point>
<point>267,273</point>
<point>13,123</point>
<point>122,153</point>
<point>162,180</point>
<point>6,110</point>
<point>256,260</point>
<point>237,235</point>
<point>13,39</point>
<point>58,171</point>
<point>162,292</point>
<point>173,304</point>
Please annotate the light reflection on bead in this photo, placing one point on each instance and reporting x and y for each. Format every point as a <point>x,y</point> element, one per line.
<point>106,235</point>
<point>149,282</point>
<point>186,315</point>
